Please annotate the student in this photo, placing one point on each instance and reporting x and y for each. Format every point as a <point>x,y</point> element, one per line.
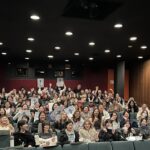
<point>23,136</point>
<point>88,133</point>
<point>68,135</point>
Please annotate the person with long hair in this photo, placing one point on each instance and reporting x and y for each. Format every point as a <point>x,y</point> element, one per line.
<point>96,119</point>
<point>36,126</point>
<point>88,133</point>
<point>6,125</point>
<point>107,133</point>
<point>61,123</point>
<point>77,120</point>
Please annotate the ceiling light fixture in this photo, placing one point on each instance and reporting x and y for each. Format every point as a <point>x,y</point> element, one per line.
<point>143,47</point>
<point>57,47</point>
<point>29,51</point>
<point>50,56</point>
<point>118,25</point>
<point>118,56</point>
<point>91,58</point>
<point>69,33</point>
<point>31,39</point>
<point>91,43</point>
<point>140,57</point>
<point>66,60</point>
<point>42,72</point>
<point>27,58</point>
<point>130,46</point>
<point>4,53</point>
<point>34,17</point>
<point>76,54</point>
<point>133,38</point>
<point>107,51</point>
<point>1,43</point>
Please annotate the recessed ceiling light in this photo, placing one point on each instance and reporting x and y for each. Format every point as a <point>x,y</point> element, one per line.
<point>91,43</point>
<point>118,25</point>
<point>76,54</point>
<point>133,38</point>
<point>30,39</point>
<point>66,60</point>
<point>140,57</point>
<point>29,51</point>
<point>91,58</point>
<point>57,47</point>
<point>143,47</point>
<point>4,53</point>
<point>107,51</point>
<point>50,56</point>
<point>69,33</point>
<point>9,63</point>
<point>1,43</point>
<point>118,56</point>
<point>27,58</point>
<point>130,46</point>
<point>42,72</point>
<point>34,17</point>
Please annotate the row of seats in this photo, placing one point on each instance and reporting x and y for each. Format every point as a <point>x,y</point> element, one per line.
<point>121,145</point>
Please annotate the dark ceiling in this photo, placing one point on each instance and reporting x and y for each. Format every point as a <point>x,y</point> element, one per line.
<point>89,20</point>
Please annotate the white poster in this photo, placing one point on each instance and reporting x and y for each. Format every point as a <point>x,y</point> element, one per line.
<point>60,82</point>
<point>40,82</point>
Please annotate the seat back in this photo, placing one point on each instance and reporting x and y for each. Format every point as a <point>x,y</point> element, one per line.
<point>100,146</point>
<point>142,145</point>
<point>122,145</point>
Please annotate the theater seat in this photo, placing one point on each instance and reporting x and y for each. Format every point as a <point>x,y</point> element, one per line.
<point>83,146</point>
<point>100,146</point>
<point>123,145</point>
<point>142,145</point>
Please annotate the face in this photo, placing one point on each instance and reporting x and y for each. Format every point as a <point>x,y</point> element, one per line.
<point>25,127</point>
<point>114,116</point>
<point>87,125</point>
<point>132,103</point>
<point>24,118</point>
<point>86,109</point>
<point>127,125</point>
<point>7,105</point>
<point>144,122</point>
<point>2,112</point>
<point>42,117</point>
<point>46,128</point>
<point>63,116</point>
<point>77,114</point>
<point>41,109</point>
<point>96,112</point>
<point>126,114</point>
<point>101,108</point>
<point>69,127</point>
<point>4,120</point>
<point>108,125</point>
<point>144,106</point>
<point>24,107</point>
<point>55,106</point>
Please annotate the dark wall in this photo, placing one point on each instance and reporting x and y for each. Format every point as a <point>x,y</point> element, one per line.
<point>89,77</point>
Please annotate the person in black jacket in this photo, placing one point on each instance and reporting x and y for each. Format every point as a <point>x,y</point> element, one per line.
<point>68,135</point>
<point>108,133</point>
<point>23,136</point>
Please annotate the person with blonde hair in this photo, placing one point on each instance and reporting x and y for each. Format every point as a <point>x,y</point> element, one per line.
<point>88,133</point>
<point>6,125</point>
